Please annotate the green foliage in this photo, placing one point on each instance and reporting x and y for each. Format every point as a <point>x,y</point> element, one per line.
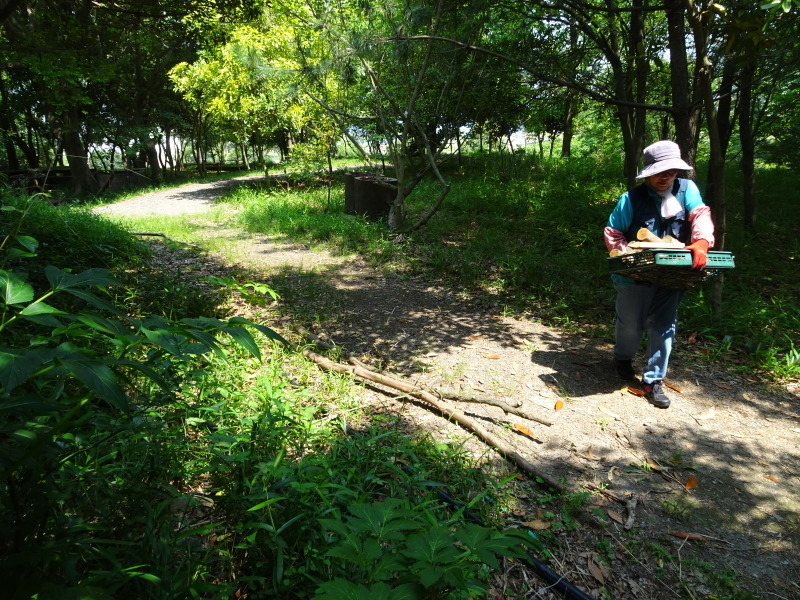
<point>160,458</point>
<point>525,234</point>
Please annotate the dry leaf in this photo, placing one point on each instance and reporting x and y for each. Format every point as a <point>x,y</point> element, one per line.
<point>692,338</point>
<point>559,405</point>
<point>609,413</point>
<point>474,337</point>
<point>577,375</point>
<point>537,524</point>
<point>672,386</point>
<point>612,472</point>
<point>771,478</point>
<point>492,356</point>
<point>616,516</point>
<point>596,570</point>
<point>635,391</point>
<point>691,482</point>
<point>523,429</point>
<point>653,465</point>
<point>723,386</point>
<point>517,342</point>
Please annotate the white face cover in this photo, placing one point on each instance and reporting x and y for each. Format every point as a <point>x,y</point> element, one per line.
<point>669,204</point>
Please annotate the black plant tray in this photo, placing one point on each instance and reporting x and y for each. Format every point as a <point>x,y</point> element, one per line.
<point>668,268</point>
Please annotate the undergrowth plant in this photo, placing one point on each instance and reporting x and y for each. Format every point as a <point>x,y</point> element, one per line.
<point>150,457</point>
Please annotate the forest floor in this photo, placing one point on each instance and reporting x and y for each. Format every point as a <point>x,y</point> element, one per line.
<point>699,500</point>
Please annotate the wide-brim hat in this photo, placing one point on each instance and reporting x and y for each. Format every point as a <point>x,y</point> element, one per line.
<point>662,156</point>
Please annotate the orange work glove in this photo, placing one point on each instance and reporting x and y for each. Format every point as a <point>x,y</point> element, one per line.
<point>699,254</point>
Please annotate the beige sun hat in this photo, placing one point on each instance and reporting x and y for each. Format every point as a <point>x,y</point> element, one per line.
<point>662,156</point>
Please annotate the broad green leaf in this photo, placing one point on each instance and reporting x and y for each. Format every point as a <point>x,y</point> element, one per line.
<point>63,281</point>
<point>16,367</point>
<point>107,326</point>
<point>40,308</point>
<point>46,320</point>
<point>145,370</point>
<point>244,339</point>
<point>29,243</point>
<point>94,374</point>
<point>174,344</point>
<point>15,253</point>
<point>207,340</point>
<point>95,301</point>
<point>13,290</point>
<point>270,333</point>
<point>266,503</point>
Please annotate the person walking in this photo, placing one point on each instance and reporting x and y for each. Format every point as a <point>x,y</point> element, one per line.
<point>665,204</point>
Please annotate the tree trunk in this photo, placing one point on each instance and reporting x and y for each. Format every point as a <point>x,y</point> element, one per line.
<point>641,69</point>
<point>724,120</point>
<point>151,152</point>
<point>83,181</point>
<point>245,162</point>
<point>168,148</point>
<point>716,165</point>
<point>748,146</point>
<point>687,111</point>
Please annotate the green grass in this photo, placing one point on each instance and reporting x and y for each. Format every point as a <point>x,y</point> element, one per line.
<point>526,236</point>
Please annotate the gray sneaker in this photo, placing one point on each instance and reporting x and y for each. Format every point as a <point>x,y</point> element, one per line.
<point>654,392</point>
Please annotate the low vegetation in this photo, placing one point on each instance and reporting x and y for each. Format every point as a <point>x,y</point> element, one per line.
<point>154,446</point>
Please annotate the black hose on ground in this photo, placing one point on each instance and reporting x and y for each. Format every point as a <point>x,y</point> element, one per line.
<point>555,581</point>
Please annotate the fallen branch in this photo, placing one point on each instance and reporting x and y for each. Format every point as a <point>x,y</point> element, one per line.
<point>504,406</point>
<point>444,409</point>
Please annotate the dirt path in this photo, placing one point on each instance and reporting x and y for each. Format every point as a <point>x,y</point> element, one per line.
<point>721,465</point>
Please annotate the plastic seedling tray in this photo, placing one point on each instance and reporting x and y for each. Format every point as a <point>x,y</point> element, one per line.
<point>668,268</point>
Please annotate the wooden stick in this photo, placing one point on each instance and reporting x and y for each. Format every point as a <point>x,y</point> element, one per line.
<point>445,410</point>
<point>645,235</point>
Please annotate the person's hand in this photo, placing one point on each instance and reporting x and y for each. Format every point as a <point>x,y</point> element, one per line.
<point>699,254</point>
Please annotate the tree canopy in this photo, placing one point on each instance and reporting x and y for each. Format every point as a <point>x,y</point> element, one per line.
<point>413,80</point>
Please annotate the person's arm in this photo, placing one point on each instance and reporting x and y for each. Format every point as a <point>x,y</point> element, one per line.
<point>702,237</point>
<point>699,215</point>
<point>618,223</point>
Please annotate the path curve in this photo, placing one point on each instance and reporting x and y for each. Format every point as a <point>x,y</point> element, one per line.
<point>192,198</point>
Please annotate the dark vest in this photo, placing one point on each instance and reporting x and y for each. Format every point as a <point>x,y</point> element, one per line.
<point>647,214</point>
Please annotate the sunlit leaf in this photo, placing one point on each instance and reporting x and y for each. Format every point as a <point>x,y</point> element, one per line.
<point>492,356</point>
<point>691,482</point>
<point>558,405</point>
<point>40,308</point>
<point>635,391</point>
<point>13,290</point>
<point>523,429</point>
<point>538,524</point>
